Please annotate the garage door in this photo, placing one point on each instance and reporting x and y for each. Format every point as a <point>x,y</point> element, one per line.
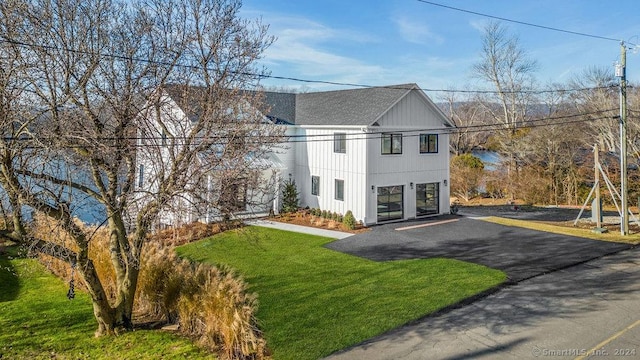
<point>427,199</point>
<point>390,203</point>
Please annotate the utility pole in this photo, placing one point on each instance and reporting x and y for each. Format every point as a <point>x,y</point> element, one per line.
<point>621,71</point>
<point>597,208</point>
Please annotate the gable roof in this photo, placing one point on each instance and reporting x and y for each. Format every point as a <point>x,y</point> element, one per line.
<point>353,107</point>
<point>348,107</point>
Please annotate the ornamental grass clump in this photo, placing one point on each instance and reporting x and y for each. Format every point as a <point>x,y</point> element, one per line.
<point>210,304</point>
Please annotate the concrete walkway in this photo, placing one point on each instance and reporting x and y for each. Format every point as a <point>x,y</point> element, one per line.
<point>300,229</point>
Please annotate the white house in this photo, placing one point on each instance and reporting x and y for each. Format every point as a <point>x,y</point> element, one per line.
<point>381,152</point>
<point>220,168</point>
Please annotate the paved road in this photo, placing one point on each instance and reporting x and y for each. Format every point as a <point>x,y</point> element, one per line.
<point>588,309</point>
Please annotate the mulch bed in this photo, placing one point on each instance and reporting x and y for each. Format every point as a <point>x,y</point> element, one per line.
<point>304,218</point>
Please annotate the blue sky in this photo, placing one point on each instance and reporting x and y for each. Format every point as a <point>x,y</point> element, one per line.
<point>383,42</point>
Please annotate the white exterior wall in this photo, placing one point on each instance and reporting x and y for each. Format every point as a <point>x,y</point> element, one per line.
<point>411,116</point>
<point>315,157</point>
<point>151,156</point>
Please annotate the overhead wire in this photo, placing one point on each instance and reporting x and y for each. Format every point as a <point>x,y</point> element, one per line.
<point>284,139</point>
<point>4,39</point>
<point>520,22</point>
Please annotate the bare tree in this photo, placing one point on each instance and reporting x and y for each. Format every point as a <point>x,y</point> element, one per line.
<point>97,72</point>
<point>505,65</point>
<point>599,102</point>
<point>469,116</point>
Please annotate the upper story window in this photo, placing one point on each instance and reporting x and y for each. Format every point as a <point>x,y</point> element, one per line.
<point>391,144</point>
<point>315,185</point>
<point>428,143</point>
<point>340,143</point>
<point>163,138</point>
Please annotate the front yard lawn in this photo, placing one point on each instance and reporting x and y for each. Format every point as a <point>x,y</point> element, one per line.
<point>37,321</point>
<point>314,301</point>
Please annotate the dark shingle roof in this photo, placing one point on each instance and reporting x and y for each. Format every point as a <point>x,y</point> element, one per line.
<point>348,107</point>
<point>282,106</point>
<point>357,107</point>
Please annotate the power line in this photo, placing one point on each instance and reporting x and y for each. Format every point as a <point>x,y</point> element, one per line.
<point>212,140</point>
<point>277,77</point>
<point>520,22</point>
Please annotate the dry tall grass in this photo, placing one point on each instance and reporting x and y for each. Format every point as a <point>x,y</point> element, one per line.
<point>210,304</point>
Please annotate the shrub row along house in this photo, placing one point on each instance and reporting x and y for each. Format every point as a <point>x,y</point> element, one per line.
<point>381,152</point>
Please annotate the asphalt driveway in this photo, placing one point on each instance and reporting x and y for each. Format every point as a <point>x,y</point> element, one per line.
<point>521,253</point>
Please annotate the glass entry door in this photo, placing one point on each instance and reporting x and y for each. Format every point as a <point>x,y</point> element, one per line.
<point>427,199</point>
<point>390,203</point>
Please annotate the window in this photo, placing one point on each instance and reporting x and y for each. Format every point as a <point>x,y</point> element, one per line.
<point>141,176</point>
<point>164,138</point>
<point>339,190</point>
<point>390,203</point>
<point>233,196</point>
<point>428,143</point>
<point>427,199</point>
<point>315,185</point>
<point>340,143</point>
<point>391,144</point>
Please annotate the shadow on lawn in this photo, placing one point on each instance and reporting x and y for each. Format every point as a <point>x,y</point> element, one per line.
<point>9,283</point>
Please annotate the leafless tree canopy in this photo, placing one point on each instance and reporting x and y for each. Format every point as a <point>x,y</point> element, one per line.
<point>544,137</point>
<point>80,83</point>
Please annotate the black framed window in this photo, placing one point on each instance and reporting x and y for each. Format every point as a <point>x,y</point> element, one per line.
<point>427,199</point>
<point>141,176</point>
<point>233,195</point>
<point>391,144</point>
<point>315,185</point>
<point>340,143</point>
<point>339,193</point>
<point>390,203</point>
<point>428,143</point>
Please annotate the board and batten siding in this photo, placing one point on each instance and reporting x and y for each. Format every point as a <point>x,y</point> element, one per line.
<point>411,116</point>
<point>409,167</point>
<point>315,157</point>
<point>413,111</point>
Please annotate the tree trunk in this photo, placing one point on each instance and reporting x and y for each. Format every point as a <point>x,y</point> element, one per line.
<point>104,313</point>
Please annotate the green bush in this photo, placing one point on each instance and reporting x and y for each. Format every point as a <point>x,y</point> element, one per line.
<point>290,198</point>
<point>349,220</point>
<point>324,214</point>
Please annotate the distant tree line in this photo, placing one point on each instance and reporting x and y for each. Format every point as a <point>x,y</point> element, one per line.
<point>544,134</point>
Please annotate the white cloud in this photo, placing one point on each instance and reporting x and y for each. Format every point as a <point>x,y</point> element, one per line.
<point>415,31</point>
<point>301,46</point>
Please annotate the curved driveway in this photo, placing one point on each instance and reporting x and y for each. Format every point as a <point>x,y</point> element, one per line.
<point>521,253</point>
<point>580,307</point>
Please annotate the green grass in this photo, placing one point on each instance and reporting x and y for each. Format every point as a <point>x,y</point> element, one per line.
<point>315,301</point>
<point>37,321</point>
<point>565,230</point>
